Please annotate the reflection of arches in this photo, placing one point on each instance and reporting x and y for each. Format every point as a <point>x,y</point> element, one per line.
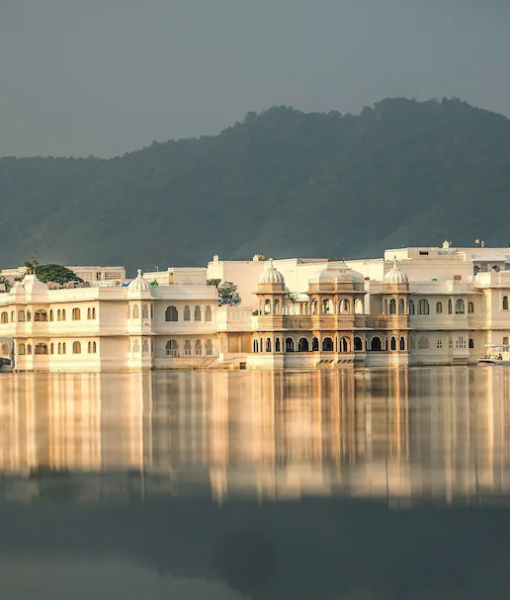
<point>315,344</point>
<point>289,344</point>
<point>423,343</point>
<point>303,345</point>
<point>376,344</point>
<point>393,343</point>
<point>345,345</point>
<point>327,344</point>
<point>358,344</point>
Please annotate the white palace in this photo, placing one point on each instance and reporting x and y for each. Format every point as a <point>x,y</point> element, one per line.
<point>414,306</point>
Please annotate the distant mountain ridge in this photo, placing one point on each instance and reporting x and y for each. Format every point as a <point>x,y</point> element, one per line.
<point>283,182</point>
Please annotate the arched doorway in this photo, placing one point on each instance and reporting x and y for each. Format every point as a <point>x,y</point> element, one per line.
<point>327,344</point>
<point>358,344</point>
<point>376,344</point>
<point>303,345</point>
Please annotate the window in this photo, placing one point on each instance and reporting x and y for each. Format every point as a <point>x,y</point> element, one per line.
<point>471,307</point>
<point>89,314</point>
<point>402,344</point>
<point>40,315</point>
<point>59,315</point>
<point>393,344</point>
<point>376,344</point>
<point>289,344</point>
<point>358,307</point>
<point>198,313</point>
<point>171,314</point>
<point>411,307</point>
<point>145,346</point>
<point>52,348</point>
<point>303,345</point>
<point>29,316</point>
<point>64,348</point>
<point>187,348</point>
<point>471,344</point>
<point>94,347</point>
<point>450,306</point>
<point>439,344</point>
<point>423,307</point>
<point>198,348</point>
<point>505,341</point>
<point>51,315</point>
<point>460,343</point>
<point>208,347</point>
<point>76,348</point>
<point>63,314</point>
<point>89,345</point>
<point>21,316</point>
<point>4,318</point>
<point>29,348</point>
<point>152,311</point>
<point>187,313</point>
<point>423,343</point>
<point>277,307</point>
<point>393,306</point>
<point>505,302</point>
<point>401,306</point>
<point>277,345</point>
<point>313,307</point>
<point>60,348</point>
<point>172,348</point>
<point>145,311</point>
<point>76,314</point>
<point>315,344</point>
<point>136,312</point>
<point>327,345</point>
<point>267,307</point>
<point>12,316</point>
<point>22,349</point>
<point>439,308</point>
<point>41,349</point>
<point>345,307</point>
<point>255,346</point>
<point>93,313</point>
<point>208,313</point>
<point>358,344</point>
<point>268,345</point>
<point>459,307</point>
<point>136,346</point>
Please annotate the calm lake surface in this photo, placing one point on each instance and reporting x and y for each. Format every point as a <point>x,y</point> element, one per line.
<point>378,484</point>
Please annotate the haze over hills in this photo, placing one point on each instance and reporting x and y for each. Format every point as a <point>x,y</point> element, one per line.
<point>283,182</point>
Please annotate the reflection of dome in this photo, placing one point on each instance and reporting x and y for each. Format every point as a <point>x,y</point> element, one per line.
<point>395,275</point>
<point>17,289</point>
<point>139,284</point>
<point>33,286</point>
<point>271,274</point>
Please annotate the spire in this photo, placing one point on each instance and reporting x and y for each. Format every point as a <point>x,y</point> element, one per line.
<point>140,273</point>
<point>395,265</point>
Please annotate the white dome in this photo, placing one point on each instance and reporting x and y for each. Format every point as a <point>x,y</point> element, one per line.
<point>271,274</point>
<point>17,289</point>
<point>395,276</point>
<point>33,286</point>
<point>139,284</point>
<point>341,274</point>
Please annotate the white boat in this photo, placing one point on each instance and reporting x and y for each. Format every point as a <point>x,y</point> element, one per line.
<point>496,355</point>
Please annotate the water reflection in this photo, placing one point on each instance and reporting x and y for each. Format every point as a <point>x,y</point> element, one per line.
<point>406,435</point>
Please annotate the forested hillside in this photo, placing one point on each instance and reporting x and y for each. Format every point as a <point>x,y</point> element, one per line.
<point>283,182</point>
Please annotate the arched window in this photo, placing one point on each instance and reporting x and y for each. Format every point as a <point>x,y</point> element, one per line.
<point>386,311</point>
<point>327,306</point>
<point>12,316</point>
<point>89,314</point>
<point>136,346</point>
<point>393,344</point>
<point>76,348</point>
<point>187,313</point>
<point>145,311</point>
<point>52,348</point>
<point>93,313</point>
<point>450,306</point>
<point>60,348</point>
<point>345,345</point>
<point>172,348</point>
<point>439,308</point>
<point>29,316</point>
<point>276,307</point>
<point>198,348</point>
<point>313,307</point>
<point>289,344</point>
<point>423,307</point>
<point>208,313</point>
<point>376,344</point>
<point>327,345</point>
<point>267,307</point>
<point>471,343</point>
<point>51,315</point>
<point>423,343</point>
<point>41,349</point>
<point>89,346</point>
<point>460,344</point>
<point>59,315</point>
<point>402,344</point>
<point>411,307</point>
<point>4,318</point>
<point>187,348</point>
<point>358,344</point>
<point>255,346</point>
<point>459,307</point>
<point>40,315</point>
<point>198,313</point>
<point>76,314</point>
<point>268,344</point>
<point>505,341</point>
<point>22,350</point>
<point>136,312</point>
<point>208,347</point>
<point>29,348</point>
<point>345,307</point>
<point>505,302</point>
<point>172,314</point>
<point>277,345</point>
<point>145,346</point>
<point>94,347</point>
<point>303,345</point>
<point>315,344</point>
<point>471,307</point>
<point>401,307</point>
<point>393,306</point>
<point>358,307</point>
<point>21,316</point>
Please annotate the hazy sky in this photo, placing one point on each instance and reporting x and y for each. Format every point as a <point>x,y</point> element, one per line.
<point>104,77</point>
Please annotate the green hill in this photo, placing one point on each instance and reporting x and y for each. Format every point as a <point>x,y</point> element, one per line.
<point>282,182</point>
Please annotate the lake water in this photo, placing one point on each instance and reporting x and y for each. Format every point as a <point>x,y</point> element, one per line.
<point>374,484</point>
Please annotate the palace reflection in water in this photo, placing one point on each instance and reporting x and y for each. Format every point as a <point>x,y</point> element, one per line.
<point>407,435</point>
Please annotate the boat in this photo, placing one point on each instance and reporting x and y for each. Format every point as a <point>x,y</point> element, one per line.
<point>496,354</point>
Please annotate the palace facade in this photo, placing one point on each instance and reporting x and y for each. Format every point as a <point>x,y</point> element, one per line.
<point>414,306</point>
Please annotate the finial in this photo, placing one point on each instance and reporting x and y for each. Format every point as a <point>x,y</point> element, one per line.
<point>271,264</point>
<point>140,272</point>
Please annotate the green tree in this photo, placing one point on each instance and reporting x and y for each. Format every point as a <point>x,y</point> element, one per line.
<point>56,273</point>
<point>5,283</point>
<point>215,282</point>
<point>228,294</point>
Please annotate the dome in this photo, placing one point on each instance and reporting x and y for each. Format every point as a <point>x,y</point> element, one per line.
<point>139,284</point>
<point>271,274</point>
<point>341,274</point>
<point>33,286</point>
<point>395,276</point>
<point>17,289</point>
